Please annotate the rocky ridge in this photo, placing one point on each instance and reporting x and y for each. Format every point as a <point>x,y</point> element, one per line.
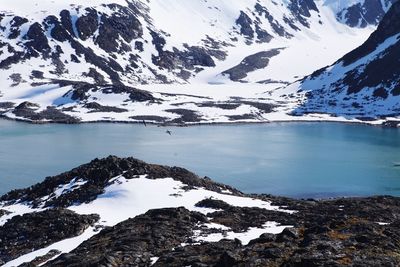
<point>215,232</point>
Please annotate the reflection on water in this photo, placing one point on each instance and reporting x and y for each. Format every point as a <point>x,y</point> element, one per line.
<point>291,159</point>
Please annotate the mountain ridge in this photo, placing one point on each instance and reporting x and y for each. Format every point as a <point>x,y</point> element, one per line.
<point>362,83</point>
<point>92,62</point>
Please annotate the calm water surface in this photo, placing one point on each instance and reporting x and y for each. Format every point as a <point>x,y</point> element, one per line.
<point>290,159</point>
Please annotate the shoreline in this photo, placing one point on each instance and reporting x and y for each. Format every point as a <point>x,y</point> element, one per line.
<point>315,197</point>
<point>373,123</point>
<point>223,184</point>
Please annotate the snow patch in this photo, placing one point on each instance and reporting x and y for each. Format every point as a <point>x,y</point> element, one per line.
<point>244,237</point>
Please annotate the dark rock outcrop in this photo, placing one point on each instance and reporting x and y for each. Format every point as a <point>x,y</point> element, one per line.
<point>22,234</point>
<point>362,14</point>
<point>302,9</point>
<point>139,239</point>
<point>37,41</point>
<point>251,63</point>
<point>81,91</point>
<point>124,25</point>
<point>341,232</point>
<point>87,24</point>
<point>28,111</point>
<point>245,23</point>
<point>186,115</point>
<point>96,107</point>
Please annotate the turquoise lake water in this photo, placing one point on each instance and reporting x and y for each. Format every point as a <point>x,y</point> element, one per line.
<point>290,159</point>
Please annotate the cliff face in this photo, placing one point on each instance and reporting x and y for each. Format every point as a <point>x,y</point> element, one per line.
<point>362,84</point>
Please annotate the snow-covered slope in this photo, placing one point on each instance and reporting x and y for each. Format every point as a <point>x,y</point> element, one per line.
<point>364,83</point>
<point>78,61</point>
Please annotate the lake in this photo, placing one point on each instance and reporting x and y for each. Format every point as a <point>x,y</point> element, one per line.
<point>299,160</point>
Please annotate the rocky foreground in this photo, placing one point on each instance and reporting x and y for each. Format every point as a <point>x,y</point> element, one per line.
<point>125,212</point>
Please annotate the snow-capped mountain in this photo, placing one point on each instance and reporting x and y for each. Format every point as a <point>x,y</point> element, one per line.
<point>360,13</point>
<point>364,83</point>
<point>70,61</point>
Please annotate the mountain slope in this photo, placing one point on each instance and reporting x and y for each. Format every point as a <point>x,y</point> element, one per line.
<point>364,83</point>
<point>66,61</point>
<point>136,42</point>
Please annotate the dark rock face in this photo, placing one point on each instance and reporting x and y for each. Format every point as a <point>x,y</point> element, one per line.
<point>149,118</point>
<point>245,23</point>
<point>371,79</point>
<point>187,60</point>
<point>248,116</point>
<point>186,115</point>
<point>27,110</point>
<point>139,239</point>
<point>253,30</point>
<point>213,204</point>
<point>96,107</point>
<point>97,77</point>
<point>135,95</point>
<point>6,105</point>
<point>388,27</point>
<point>251,63</point>
<point>81,91</point>
<point>391,124</point>
<point>66,22</point>
<point>302,10</point>
<point>369,12</point>
<point>60,31</point>
<point>125,25</point>
<point>15,24</point>
<point>39,230</point>
<point>37,40</point>
<point>264,107</point>
<point>234,103</point>
<point>88,24</point>
<point>228,105</point>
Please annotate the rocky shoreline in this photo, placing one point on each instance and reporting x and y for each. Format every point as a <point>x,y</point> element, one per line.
<point>125,212</point>
<point>376,123</point>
